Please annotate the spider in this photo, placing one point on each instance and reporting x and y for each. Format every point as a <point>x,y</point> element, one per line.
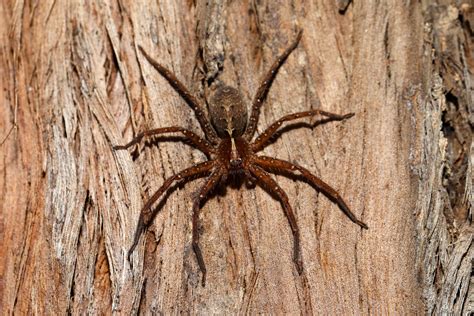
<point>230,150</point>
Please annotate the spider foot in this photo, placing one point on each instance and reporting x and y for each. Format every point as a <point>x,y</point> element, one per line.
<point>130,251</point>
<point>203,280</point>
<point>119,147</point>
<point>361,224</point>
<point>140,228</point>
<point>348,115</point>
<point>200,261</point>
<point>297,257</point>
<point>129,254</point>
<point>299,264</point>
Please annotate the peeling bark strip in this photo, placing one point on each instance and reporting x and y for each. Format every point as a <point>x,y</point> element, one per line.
<point>75,84</point>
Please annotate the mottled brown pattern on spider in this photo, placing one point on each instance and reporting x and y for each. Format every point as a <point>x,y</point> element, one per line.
<point>230,149</point>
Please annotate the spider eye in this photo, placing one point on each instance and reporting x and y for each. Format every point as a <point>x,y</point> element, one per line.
<point>236,163</point>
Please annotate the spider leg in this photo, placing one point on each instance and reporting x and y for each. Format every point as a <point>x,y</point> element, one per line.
<point>270,163</point>
<point>147,214</point>
<point>265,85</point>
<point>273,187</point>
<point>210,183</point>
<point>190,99</point>
<point>263,138</point>
<point>197,141</point>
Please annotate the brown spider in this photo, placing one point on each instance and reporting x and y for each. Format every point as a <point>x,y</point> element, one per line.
<point>230,149</point>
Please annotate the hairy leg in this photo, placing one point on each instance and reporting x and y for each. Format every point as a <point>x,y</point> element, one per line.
<point>197,141</point>
<point>265,85</point>
<point>210,183</point>
<point>270,163</point>
<point>273,187</point>
<point>147,214</point>
<point>263,138</point>
<point>186,95</point>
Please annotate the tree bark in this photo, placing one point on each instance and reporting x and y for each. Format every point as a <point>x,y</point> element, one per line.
<point>74,84</point>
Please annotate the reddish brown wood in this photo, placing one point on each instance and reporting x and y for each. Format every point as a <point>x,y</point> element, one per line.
<point>74,84</point>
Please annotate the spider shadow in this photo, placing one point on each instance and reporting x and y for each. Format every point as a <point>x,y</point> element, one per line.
<point>232,181</point>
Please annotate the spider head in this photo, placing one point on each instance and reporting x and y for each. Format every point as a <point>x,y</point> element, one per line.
<point>228,112</point>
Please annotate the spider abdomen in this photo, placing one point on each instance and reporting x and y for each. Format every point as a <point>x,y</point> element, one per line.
<point>228,112</point>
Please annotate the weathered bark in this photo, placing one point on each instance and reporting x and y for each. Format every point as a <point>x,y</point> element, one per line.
<point>74,84</point>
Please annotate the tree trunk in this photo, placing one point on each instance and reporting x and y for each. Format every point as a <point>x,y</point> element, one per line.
<point>74,84</point>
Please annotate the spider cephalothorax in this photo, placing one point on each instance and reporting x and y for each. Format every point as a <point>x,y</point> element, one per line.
<point>230,149</point>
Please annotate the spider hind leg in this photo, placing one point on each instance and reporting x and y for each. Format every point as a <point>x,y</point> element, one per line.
<point>210,183</point>
<point>273,188</point>
<point>286,166</point>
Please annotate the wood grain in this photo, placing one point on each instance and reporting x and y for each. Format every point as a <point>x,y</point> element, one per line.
<point>74,84</point>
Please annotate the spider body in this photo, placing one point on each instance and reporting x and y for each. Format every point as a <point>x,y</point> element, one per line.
<point>230,149</point>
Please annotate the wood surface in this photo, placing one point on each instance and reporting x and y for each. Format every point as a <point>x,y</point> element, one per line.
<point>74,84</point>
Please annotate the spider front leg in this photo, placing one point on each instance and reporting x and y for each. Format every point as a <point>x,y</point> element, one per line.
<point>147,214</point>
<point>263,138</point>
<point>265,85</point>
<point>210,183</point>
<point>190,99</point>
<point>273,187</point>
<point>270,163</point>
<point>197,141</point>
